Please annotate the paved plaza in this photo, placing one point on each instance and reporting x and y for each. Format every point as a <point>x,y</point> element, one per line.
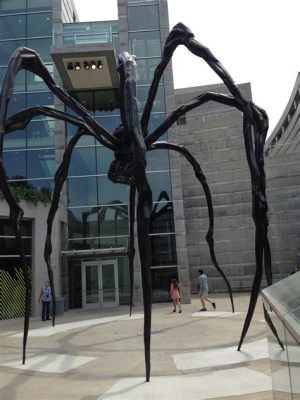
<point>99,354</point>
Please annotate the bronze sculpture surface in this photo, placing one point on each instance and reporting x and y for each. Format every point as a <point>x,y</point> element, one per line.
<point>129,143</point>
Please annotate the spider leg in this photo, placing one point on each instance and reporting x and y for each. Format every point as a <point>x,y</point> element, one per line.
<point>182,35</point>
<point>24,58</point>
<point>131,250</point>
<point>144,209</point>
<point>201,178</point>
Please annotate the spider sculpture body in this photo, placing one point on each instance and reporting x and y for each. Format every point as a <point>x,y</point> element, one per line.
<point>129,143</point>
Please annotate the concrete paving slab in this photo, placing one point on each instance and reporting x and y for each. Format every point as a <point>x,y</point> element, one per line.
<point>225,356</point>
<point>51,363</point>
<point>202,386</point>
<point>71,326</point>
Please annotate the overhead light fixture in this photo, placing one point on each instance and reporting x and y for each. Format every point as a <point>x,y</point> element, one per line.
<point>70,66</point>
<point>77,66</point>
<point>100,65</point>
<point>86,65</point>
<point>93,65</point>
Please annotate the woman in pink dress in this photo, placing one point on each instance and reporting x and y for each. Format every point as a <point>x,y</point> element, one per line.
<point>175,295</point>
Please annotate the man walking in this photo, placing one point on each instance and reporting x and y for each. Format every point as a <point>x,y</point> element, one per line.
<point>45,295</point>
<point>203,290</point>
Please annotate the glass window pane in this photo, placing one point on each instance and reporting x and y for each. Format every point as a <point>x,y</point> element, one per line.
<point>15,140</point>
<point>12,27</point>
<point>145,44</point>
<point>40,99</point>
<point>6,228</point>
<point>44,186</point>
<point>38,5</point>
<point>16,103</point>
<point>111,193</point>
<point>163,250</point>
<point>15,164</point>
<point>12,6</point>
<point>158,160</point>
<point>104,159</point>
<point>83,161</point>
<point>123,279</point>
<point>41,133</point>
<point>7,49</point>
<point>160,182</point>
<point>83,222</point>
<point>83,244</point>
<point>113,242</point>
<point>159,101</point>
<point>85,140</point>
<point>9,246</point>
<point>82,191</point>
<point>34,82</point>
<point>162,218</point>
<point>113,220</point>
<point>145,70</point>
<point>39,25</point>
<point>109,123</point>
<point>41,47</point>
<point>143,18</point>
<point>40,163</point>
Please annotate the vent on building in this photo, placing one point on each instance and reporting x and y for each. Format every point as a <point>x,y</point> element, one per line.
<point>181,120</point>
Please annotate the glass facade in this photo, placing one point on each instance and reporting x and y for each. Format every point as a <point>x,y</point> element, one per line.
<point>29,155</point>
<point>97,208</point>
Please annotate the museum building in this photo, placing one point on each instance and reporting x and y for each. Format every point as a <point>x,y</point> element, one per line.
<point>90,231</point>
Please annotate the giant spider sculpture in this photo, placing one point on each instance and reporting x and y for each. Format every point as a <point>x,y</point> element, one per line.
<point>129,143</point>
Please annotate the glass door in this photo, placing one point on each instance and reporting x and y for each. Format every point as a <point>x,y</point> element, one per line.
<point>109,283</point>
<point>90,285</point>
<point>100,286</point>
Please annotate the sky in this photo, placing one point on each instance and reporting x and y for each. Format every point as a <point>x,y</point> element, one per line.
<point>257,41</point>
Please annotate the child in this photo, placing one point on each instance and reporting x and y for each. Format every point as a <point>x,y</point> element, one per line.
<point>175,295</point>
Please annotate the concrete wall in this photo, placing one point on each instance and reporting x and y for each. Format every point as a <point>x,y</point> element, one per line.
<point>283,186</point>
<point>214,135</point>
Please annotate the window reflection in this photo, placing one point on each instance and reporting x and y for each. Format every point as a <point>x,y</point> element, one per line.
<point>113,220</point>
<point>41,46</point>
<point>7,48</point>
<point>83,161</point>
<point>83,222</point>
<point>160,182</point>
<point>15,140</point>
<point>159,101</point>
<point>143,18</point>
<point>17,103</point>
<point>40,163</point>
<point>41,133</point>
<point>15,164</point>
<point>34,82</point>
<point>145,44</point>
<point>40,99</point>
<point>104,159</point>
<point>11,6</point>
<point>163,250</point>
<point>82,191</point>
<point>162,217</point>
<point>110,193</point>
<point>39,24</point>
<point>145,70</point>
<point>12,26</point>
<point>158,160</point>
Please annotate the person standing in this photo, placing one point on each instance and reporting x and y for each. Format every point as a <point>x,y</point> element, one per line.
<point>45,296</point>
<point>203,290</point>
<point>175,295</point>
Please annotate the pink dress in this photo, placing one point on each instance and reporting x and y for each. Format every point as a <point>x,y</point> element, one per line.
<point>174,293</point>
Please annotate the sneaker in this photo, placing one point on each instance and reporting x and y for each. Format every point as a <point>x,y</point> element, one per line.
<point>214,305</point>
<point>203,309</point>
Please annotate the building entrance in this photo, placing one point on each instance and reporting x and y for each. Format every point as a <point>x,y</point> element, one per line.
<point>100,286</point>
